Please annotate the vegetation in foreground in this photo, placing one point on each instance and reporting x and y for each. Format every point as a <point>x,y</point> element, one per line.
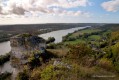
<point>82,55</point>
<point>4,58</point>
<point>5,76</point>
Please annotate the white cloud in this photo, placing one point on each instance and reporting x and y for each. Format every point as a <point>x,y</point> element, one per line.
<point>112,5</point>
<point>0,9</point>
<point>37,7</point>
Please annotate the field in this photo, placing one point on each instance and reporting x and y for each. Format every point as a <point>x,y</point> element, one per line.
<point>94,37</point>
<point>81,32</point>
<point>80,36</point>
<point>75,42</point>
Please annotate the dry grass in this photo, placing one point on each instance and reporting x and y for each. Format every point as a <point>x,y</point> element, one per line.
<point>58,52</point>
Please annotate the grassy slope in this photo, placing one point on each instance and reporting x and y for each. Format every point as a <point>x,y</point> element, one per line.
<point>92,37</point>
<point>84,31</point>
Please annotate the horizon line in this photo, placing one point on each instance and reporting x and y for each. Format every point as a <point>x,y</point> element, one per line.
<point>55,23</point>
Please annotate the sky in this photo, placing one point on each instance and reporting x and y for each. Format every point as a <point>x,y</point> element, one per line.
<point>58,11</point>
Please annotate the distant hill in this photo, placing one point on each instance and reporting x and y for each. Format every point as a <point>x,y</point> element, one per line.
<point>31,27</point>
<point>111,26</point>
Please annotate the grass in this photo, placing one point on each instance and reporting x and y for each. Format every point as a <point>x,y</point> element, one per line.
<point>75,42</point>
<point>84,31</point>
<point>89,30</point>
<point>58,52</point>
<point>94,37</point>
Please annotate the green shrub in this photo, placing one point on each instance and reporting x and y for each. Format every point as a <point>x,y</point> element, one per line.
<point>4,58</point>
<point>22,76</point>
<point>54,73</point>
<point>51,46</point>
<point>47,73</point>
<point>50,40</point>
<point>33,62</point>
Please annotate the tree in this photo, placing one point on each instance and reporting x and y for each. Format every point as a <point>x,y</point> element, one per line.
<point>50,40</point>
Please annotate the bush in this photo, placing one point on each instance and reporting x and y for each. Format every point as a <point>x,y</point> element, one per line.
<point>105,63</point>
<point>51,46</point>
<point>33,61</point>
<point>5,75</point>
<point>22,76</point>
<point>25,35</point>
<point>36,74</point>
<point>50,40</point>
<point>116,65</point>
<point>103,44</point>
<point>65,38</point>
<point>4,58</point>
<point>55,73</point>
<point>78,51</point>
<point>71,39</point>
<point>47,73</point>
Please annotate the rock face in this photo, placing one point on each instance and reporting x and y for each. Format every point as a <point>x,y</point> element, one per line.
<point>61,64</point>
<point>23,45</point>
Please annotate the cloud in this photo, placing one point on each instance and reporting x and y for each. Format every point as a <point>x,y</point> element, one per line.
<point>38,7</point>
<point>112,5</point>
<point>0,9</point>
<point>18,10</point>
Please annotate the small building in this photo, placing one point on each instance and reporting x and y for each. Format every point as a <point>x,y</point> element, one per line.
<point>23,45</point>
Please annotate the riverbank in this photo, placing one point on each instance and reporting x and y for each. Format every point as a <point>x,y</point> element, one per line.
<point>56,34</point>
<point>5,46</point>
<point>4,40</point>
<point>6,31</point>
<point>60,33</point>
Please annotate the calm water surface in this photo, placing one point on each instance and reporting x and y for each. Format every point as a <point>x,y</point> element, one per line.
<point>5,47</point>
<point>59,34</point>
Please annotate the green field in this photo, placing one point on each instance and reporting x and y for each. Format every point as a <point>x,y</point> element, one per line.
<point>84,31</point>
<point>75,42</point>
<point>81,40</point>
<point>94,37</point>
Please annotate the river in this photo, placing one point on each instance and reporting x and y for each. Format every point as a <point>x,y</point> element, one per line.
<point>60,33</point>
<point>5,46</point>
